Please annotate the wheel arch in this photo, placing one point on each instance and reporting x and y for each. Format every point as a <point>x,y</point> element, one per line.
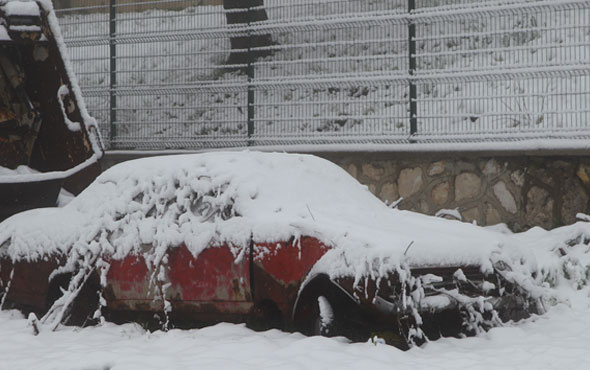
<point>320,285</point>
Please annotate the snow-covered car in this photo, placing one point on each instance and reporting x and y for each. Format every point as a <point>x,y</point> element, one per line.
<point>282,240</point>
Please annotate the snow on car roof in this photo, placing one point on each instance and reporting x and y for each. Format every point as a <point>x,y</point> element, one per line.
<point>215,198</point>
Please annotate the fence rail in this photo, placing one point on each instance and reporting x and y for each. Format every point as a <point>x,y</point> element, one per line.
<point>180,74</point>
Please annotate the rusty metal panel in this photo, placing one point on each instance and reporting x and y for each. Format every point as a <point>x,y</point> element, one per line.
<point>215,275</point>
<point>128,285</point>
<point>214,281</point>
<point>289,262</point>
<point>29,284</point>
<point>280,268</point>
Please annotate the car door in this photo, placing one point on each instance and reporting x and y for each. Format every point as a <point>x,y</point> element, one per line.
<point>130,285</point>
<point>215,281</point>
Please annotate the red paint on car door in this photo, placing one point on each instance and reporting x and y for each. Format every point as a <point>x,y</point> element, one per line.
<point>215,275</point>
<point>130,275</point>
<point>129,286</point>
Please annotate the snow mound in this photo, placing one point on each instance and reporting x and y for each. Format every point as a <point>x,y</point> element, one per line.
<point>228,198</point>
<point>225,198</point>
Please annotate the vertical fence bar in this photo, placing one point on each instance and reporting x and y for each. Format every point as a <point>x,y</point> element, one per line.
<point>412,69</point>
<point>112,69</point>
<point>250,72</point>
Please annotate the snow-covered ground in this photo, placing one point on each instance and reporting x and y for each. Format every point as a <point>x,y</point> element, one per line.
<point>557,340</point>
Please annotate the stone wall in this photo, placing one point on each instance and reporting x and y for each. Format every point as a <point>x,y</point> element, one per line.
<point>521,191</point>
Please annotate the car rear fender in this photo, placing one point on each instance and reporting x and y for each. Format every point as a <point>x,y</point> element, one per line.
<point>279,268</point>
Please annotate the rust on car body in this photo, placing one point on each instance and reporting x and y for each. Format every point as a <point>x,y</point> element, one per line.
<point>280,268</point>
<point>216,283</point>
<point>26,286</point>
<point>227,284</point>
<point>216,274</point>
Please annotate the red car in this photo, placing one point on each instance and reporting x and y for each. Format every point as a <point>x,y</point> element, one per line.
<point>283,240</point>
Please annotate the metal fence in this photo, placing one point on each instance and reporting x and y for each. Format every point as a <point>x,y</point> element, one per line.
<point>185,74</point>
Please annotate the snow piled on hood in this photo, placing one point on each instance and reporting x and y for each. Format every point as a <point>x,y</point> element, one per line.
<point>227,198</point>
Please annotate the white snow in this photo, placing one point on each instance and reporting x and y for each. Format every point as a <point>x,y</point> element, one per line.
<point>62,92</point>
<point>555,341</point>
<point>449,213</point>
<point>326,312</point>
<point>271,196</point>
<point>23,8</point>
<point>22,174</point>
<point>20,170</point>
<point>3,33</point>
<point>64,197</point>
<point>26,174</point>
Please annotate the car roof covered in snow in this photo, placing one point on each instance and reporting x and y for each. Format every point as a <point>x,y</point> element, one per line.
<point>229,197</point>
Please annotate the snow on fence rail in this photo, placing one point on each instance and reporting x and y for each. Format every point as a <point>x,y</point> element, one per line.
<point>184,75</point>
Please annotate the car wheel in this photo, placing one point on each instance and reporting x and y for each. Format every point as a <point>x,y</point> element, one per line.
<point>325,309</point>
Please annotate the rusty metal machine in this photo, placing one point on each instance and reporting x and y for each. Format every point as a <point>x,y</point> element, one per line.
<point>47,139</point>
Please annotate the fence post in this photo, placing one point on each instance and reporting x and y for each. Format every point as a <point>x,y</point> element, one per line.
<point>250,72</point>
<point>412,68</point>
<point>112,69</point>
